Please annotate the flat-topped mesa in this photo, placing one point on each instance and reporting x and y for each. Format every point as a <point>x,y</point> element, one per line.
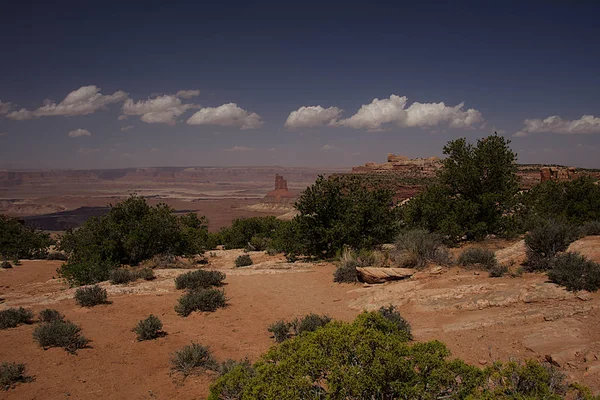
<point>426,167</point>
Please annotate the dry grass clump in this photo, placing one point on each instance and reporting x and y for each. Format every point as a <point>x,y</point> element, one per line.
<point>13,317</point>
<point>416,248</point>
<point>193,358</point>
<point>90,296</point>
<point>11,374</point>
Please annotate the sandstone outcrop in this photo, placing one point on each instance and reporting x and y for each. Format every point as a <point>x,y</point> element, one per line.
<point>422,167</point>
<point>558,173</point>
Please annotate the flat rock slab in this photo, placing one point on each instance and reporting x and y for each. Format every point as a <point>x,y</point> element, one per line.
<point>381,275</point>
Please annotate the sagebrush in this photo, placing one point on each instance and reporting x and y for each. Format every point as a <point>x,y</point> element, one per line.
<point>200,300</point>
<point>12,317</point>
<point>90,296</point>
<point>60,333</point>
<point>192,358</point>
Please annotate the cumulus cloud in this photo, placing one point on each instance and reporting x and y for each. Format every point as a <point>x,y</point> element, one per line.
<point>5,107</point>
<point>312,116</point>
<point>587,124</point>
<point>188,94</point>
<point>240,149</point>
<point>327,147</point>
<point>127,128</point>
<point>79,133</point>
<point>378,113</point>
<point>83,101</point>
<point>226,115</point>
<point>157,110</point>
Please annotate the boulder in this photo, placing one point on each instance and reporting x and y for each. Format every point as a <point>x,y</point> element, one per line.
<point>381,275</point>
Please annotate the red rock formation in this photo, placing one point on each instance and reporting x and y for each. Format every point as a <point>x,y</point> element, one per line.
<point>280,194</point>
<point>558,173</point>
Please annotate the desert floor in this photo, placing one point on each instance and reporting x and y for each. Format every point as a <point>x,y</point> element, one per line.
<point>481,319</point>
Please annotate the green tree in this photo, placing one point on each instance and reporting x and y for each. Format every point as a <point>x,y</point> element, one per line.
<point>342,211</point>
<point>475,192</point>
<point>20,241</point>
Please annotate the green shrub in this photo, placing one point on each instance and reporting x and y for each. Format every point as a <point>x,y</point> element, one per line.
<point>12,317</point>
<point>149,328</point>
<point>309,323</point>
<point>417,247</point>
<point>346,270</point>
<point>59,333</point>
<point>546,240</point>
<point>11,374</point>
<point>90,296</point>
<point>498,270</point>
<point>131,232</point>
<point>591,228</point>
<point>193,357</point>
<point>575,272</point>
<point>391,314</point>
<point>18,241</point>
<point>200,300</point>
<point>49,315</point>
<point>146,274</point>
<point>280,331</point>
<point>199,279</point>
<point>255,232</point>
<point>121,275</point>
<point>371,359</point>
<point>229,365</point>
<point>5,265</point>
<point>479,258</point>
<point>243,261</point>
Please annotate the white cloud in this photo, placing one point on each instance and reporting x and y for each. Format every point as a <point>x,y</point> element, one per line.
<point>312,116</point>
<point>127,128</point>
<point>240,149</point>
<point>83,101</point>
<point>587,124</point>
<point>188,94</point>
<point>327,147</point>
<point>393,111</point>
<point>5,107</point>
<point>226,115</point>
<point>79,132</point>
<point>161,109</point>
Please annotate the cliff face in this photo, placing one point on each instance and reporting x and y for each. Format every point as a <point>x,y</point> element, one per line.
<point>281,194</point>
<point>423,167</point>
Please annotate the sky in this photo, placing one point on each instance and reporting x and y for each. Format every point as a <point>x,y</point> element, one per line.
<point>117,84</point>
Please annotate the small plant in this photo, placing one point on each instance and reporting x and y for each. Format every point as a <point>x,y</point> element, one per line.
<point>149,328</point>
<point>200,279</point>
<point>346,270</point>
<point>192,358</point>
<point>5,265</point>
<point>90,296</point>
<point>243,261</point>
<point>391,314</point>
<point>309,323</point>
<point>200,300</point>
<point>13,317</point>
<point>478,258</point>
<point>11,374</point>
<point>145,273</point>
<point>545,241</point>
<point>16,262</point>
<point>575,272</point>
<point>498,270</point>
<point>59,333</point>
<point>415,248</point>
<point>121,275</point>
<point>49,315</point>
<point>280,331</point>
<point>271,251</point>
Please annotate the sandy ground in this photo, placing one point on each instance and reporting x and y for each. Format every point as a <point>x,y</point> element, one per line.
<point>481,319</point>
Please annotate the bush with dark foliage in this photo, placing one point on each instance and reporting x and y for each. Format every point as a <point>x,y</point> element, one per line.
<point>280,330</point>
<point>498,270</point>
<point>121,275</point>
<point>11,374</point>
<point>149,328</point>
<point>417,247</point>
<point>90,296</point>
<point>12,317</point>
<point>309,323</point>
<point>131,232</point>
<point>199,279</point>
<point>18,241</point>
<point>591,228</point>
<point>543,242</point>
<point>243,261</point>
<point>259,232</point>
<point>478,258</point>
<point>200,300</point>
<point>57,255</point>
<point>59,333</point>
<point>575,272</point>
<point>49,315</point>
<point>5,265</point>
<point>393,315</point>
<point>229,365</point>
<point>192,358</point>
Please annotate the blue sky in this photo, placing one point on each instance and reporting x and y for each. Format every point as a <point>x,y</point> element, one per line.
<point>270,83</point>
